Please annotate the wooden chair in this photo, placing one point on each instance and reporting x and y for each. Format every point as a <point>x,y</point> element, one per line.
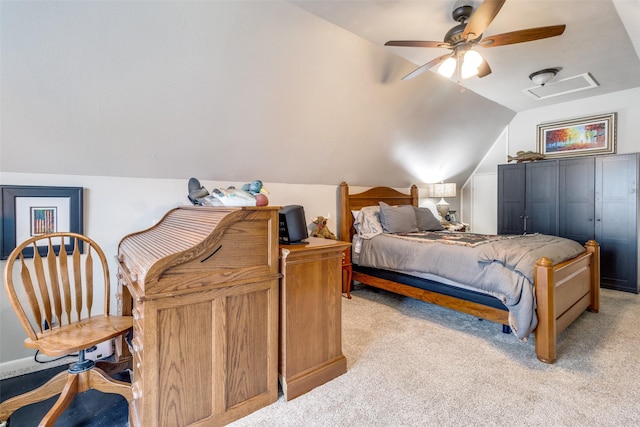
<point>52,296</point>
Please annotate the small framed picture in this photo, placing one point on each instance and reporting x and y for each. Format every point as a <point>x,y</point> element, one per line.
<point>29,211</point>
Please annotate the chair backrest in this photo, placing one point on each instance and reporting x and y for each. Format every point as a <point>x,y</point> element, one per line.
<point>57,285</point>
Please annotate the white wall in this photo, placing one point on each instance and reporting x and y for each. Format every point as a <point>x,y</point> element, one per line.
<point>484,203</point>
<point>522,131</point>
<point>114,207</point>
<point>480,203</point>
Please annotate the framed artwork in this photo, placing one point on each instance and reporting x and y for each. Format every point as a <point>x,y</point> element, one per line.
<point>578,137</point>
<point>29,211</point>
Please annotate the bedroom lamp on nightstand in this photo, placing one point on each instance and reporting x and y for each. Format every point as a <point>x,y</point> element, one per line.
<point>442,190</point>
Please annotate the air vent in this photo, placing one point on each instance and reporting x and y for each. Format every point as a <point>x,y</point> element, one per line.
<point>562,87</point>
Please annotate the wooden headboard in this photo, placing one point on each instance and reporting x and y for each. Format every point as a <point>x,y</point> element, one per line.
<point>348,202</point>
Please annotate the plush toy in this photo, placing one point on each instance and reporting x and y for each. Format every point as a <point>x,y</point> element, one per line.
<point>321,229</point>
<point>258,190</point>
<point>251,194</point>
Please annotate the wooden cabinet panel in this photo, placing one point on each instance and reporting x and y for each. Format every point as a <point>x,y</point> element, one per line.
<point>511,199</point>
<point>541,197</point>
<point>311,315</point>
<point>616,225</point>
<point>576,201</point>
<point>527,198</point>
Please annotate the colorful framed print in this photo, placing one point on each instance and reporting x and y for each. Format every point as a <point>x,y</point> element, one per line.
<point>578,137</point>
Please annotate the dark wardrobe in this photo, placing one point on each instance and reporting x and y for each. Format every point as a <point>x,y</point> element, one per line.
<point>581,198</point>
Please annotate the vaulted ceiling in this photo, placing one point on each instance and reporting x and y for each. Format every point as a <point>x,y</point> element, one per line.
<point>288,92</point>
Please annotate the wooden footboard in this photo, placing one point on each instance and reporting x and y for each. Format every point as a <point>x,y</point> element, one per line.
<point>563,292</point>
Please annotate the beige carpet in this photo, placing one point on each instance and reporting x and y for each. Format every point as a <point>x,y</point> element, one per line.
<point>416,364</point>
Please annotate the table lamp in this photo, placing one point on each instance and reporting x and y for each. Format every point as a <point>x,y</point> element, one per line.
<point>442,190</point>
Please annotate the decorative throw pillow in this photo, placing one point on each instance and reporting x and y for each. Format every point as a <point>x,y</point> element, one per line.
<point>367,224</point>
<point>426,220</point>
<point>398,219</point>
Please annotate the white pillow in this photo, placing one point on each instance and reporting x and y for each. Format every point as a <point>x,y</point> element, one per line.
<point>368,222</point>
<point>355,214</point>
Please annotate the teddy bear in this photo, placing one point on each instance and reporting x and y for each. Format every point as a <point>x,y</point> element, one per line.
<point>321,229</point>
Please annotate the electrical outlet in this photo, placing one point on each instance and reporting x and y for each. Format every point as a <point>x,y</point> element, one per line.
<point>100,351</point>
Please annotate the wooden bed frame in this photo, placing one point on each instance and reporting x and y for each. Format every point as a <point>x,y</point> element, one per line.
<point>563,291</point>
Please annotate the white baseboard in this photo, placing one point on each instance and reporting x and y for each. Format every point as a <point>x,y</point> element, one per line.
<point>17,367</point>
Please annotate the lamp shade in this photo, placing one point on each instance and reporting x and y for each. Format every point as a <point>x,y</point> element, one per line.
<point>448,67</point>
<point>442,189</point>
<point>466,64</point>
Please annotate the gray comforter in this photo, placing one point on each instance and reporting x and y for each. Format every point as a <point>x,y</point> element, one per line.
<point>501,266</point>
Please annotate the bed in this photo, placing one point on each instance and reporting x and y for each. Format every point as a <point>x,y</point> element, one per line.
<point>561,291</point>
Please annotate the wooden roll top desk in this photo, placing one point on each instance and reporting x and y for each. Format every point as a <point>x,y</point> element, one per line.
<point>203,284</point>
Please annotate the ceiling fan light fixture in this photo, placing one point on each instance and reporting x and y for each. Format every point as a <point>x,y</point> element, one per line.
<point>447,68</point>
<point>542,77</point>
<point>468,71</point>
<point>462,39</point>
<point>472,58</point>
<point>470,63</point>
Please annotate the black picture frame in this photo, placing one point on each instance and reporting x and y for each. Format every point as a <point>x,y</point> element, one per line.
<point>12,219</point>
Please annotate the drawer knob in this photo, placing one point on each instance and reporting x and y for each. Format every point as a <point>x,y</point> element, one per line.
<point>135,391</point>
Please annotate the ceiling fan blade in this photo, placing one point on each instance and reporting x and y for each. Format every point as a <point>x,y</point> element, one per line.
<point>484,69</point>
<point>426,66</point>
<point>522,36</point>
<point>481,18</point>
<point>416,43</point>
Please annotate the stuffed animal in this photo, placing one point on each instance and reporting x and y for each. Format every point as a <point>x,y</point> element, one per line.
<point>321,229</point>
<point>258,190</point>
<point>251,194</point>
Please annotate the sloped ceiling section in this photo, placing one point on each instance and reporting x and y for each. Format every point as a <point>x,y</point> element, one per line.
<point>598,39</point>
<point>225,90</point>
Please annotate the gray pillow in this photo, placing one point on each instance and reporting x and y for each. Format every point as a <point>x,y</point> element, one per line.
<point>426,220</point>
<point>398,219</point>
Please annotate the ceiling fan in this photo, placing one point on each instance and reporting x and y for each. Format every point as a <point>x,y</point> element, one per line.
<point>462,39</point>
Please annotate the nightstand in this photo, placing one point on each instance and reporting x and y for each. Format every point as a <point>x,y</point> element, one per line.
<point>310,348</point>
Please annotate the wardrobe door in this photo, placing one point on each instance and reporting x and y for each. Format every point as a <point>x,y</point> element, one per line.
<point>616,225</point>
<point>576,204</point>
<point>541,197</point>
<point>511,193</point>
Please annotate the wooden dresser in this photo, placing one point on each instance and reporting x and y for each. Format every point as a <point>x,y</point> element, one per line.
<point>204,288</point>
<point>311,315</point>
